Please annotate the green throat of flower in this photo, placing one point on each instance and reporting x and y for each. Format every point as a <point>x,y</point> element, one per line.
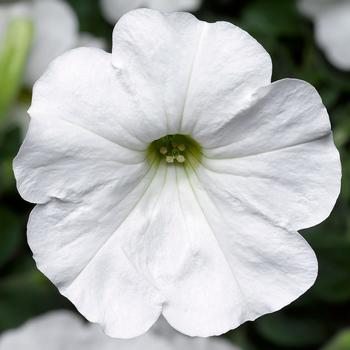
<point>175,149</point>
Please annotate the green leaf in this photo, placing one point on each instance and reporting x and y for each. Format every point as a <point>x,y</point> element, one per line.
<point>25,295</point>
<point>290,331</point>
<point>332,247</point>
<point>339,342</point>
<point>13,56</point>
<point>271,18</point>
<point>10,235</point>
<point>333,283</point>
<point>91,19</point>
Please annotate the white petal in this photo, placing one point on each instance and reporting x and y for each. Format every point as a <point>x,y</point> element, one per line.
<point>84,89</point>
<point>60,160</point>
<point>333,34</point>
<point>281,156</point>
<point>244,265</point>
<point>122,260</point>
<point>56,31</point>
<point>84,256</point>
<point>171,63</point>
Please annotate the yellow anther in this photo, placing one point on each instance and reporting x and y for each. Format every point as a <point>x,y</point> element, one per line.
<point>163,151</point>
<point>169,159</point>
<point>181,147</point>
<point>180,158</point>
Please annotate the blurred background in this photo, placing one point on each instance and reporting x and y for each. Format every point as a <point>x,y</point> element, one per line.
<point>305,42</point>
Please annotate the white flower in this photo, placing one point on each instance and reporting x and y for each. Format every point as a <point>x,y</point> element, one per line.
<point>55,31</point>
<point>112,10</point>
<point>59,330</point>
<point>88,40</point>
<point>332,28</point>
<point>128,231</point>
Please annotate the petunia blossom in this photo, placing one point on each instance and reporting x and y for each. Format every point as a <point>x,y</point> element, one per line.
<point>60,330</point>
<point>55,31</point>
<point>112,10</point>
<point>332,28</point>
<point>172,176</point>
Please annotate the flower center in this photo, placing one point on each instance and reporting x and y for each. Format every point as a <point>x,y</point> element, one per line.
<point>175,149</point>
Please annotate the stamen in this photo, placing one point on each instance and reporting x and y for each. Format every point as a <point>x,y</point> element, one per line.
<point>173,149</point>
<point>163,151</point>
<point>180,158</point>
<point>169,159</point>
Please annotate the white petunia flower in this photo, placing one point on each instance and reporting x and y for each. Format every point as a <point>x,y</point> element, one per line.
<point>332,28</point>
<point>171,177</point>
<point>60,330</point>
<point>112,10</point>
<point>55,31</point>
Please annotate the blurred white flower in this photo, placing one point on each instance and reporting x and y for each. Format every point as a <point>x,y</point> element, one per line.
<point>60,330</point>
<point>56,31</point>
<point>88,40</point>
<point>9,11</point>
<point>332,28</point>
<point>171,177</point>
<point>114,9</point>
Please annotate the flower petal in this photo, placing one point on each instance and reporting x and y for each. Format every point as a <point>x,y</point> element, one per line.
<point>281,157</point>
<point>244,265</point>
<point>172,62</point>
<point>64,161</point>
<point>83,88</point>
<point>56,31</point>
<point>84,256</point>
